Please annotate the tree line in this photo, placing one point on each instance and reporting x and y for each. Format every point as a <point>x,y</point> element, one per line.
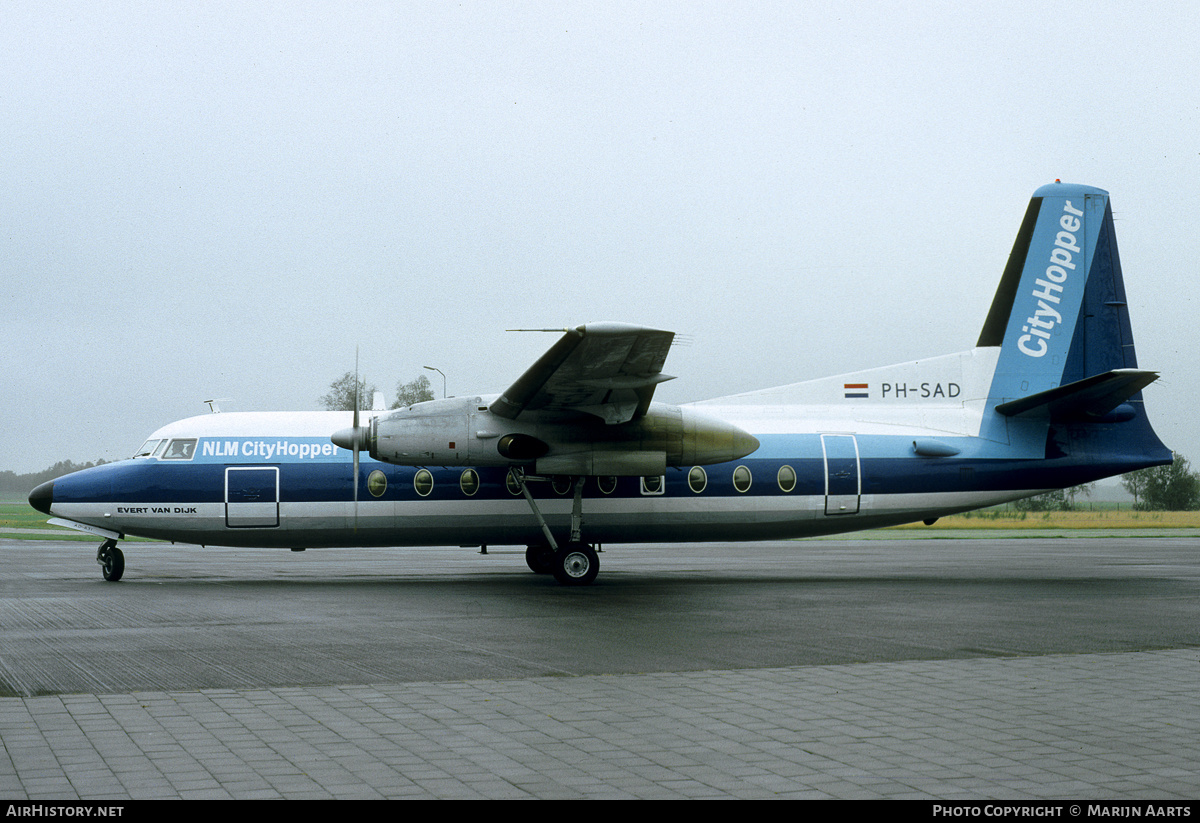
<point>343,391</point>
<point>18,485</point>
<point>1173,488</point>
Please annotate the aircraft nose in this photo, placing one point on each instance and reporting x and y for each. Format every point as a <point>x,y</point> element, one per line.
<point>42,498</point>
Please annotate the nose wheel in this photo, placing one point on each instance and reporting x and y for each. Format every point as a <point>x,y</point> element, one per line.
<point>111,560</point>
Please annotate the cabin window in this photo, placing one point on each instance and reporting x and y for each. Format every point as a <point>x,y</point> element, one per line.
<point>697,479</point>
<point>180,449</point>
<point>562,484</point>
<point>377,483</point>
<point>423,482</point>
<point>468,481</point>
<point>742,479</point>
<point>514,487</point>
<point>607,484</point>
<point>653,485</point>
<point>786,478</point>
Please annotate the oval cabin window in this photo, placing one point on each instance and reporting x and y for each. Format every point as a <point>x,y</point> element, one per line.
<point>468,481</point>
<point>742,479</point>
<point>786,478</point>
<point>423,482</point>
<point>377,483</point>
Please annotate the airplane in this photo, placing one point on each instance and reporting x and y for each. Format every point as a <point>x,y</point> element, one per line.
<point>576,453</point>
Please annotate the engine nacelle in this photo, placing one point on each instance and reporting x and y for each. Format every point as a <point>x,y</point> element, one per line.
<point>433,433</point>
<point>463,432</point>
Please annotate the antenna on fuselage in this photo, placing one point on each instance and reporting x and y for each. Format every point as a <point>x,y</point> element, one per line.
<point>213,404</point>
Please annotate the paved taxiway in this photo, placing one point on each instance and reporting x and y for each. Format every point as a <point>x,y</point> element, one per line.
<point>1005,668</point>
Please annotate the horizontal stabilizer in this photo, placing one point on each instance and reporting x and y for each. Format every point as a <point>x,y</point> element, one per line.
<point>1085,399</point>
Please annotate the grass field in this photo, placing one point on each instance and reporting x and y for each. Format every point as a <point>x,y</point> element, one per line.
<point>1100,519</point>
<point>19,515</point>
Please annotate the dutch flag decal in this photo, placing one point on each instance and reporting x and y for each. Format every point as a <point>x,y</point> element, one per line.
<point>856,390</point>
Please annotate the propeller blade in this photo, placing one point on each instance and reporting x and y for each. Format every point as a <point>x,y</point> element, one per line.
<point>357,440</point>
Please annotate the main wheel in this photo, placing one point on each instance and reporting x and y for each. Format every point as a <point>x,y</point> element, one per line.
<point>540,559</point>
<point>576,564</point>
<point>112,563</point>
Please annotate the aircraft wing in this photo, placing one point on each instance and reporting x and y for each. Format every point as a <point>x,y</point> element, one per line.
<point>608,370</point>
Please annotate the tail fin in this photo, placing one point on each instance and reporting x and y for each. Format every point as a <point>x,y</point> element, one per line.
<point>1062,324</point>
<point>1060,315</point>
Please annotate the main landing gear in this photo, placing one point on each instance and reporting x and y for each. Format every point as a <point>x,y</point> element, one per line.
<point>574,563</point>
<point>111,560</point>
<point>540,559</point>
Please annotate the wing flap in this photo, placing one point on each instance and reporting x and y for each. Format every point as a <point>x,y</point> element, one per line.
<point>608,370</point>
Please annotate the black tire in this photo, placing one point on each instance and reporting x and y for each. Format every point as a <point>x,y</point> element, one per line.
<point>540,559</point>
<point>113,565</point>
<point>576,564</point>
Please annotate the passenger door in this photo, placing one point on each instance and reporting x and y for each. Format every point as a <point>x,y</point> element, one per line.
<point>842,478</point>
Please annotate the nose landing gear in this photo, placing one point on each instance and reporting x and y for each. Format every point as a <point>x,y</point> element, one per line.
<point>111,560</point>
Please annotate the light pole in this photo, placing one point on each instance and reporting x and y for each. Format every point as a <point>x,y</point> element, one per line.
<point>443,374</point>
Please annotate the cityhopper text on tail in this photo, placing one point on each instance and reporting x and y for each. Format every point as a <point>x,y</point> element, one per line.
<point>575,453</point>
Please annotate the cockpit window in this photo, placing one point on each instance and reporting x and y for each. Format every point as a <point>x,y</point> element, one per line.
<point>180,449</point>
<point>148,448</point>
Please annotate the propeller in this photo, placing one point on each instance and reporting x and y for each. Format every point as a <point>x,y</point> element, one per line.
<point>357,439</point>
<point>353,438</point>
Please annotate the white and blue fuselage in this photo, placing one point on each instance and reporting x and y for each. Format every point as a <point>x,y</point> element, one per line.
<point>1050,397</point>
<point>891,446</point>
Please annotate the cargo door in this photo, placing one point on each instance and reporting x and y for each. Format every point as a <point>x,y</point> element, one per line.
<point>251,497</point>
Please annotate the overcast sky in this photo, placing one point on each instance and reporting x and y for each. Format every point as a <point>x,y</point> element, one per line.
<point>224,199</point>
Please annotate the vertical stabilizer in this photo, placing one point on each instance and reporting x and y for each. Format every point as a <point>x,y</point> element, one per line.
<point>1066,346</point>
<point>1059,315</point>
